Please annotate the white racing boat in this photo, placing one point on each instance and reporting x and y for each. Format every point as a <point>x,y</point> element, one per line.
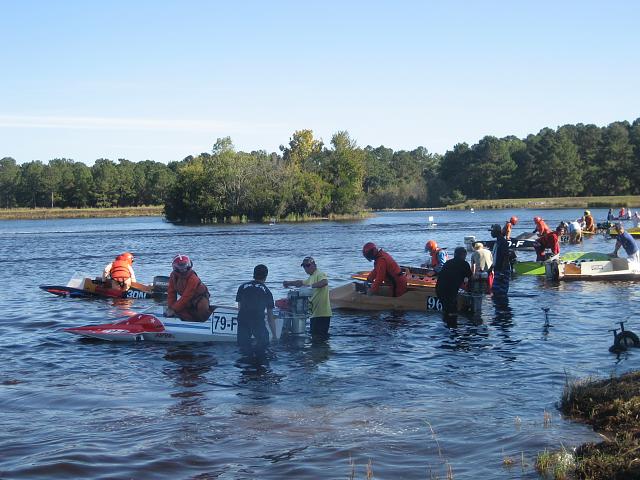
<point>153,325</point>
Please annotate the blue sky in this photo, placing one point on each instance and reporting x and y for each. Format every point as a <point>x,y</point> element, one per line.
<point>161,80</point>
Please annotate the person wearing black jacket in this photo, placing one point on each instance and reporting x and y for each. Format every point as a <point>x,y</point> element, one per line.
<point>450,279</point>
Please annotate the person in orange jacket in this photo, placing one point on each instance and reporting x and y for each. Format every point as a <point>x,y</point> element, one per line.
<point>193,304</point>
<point>506,231</point>
<point>589,223</point>
<point>120,272</point>
<point>385,269</point>
<point>549,240</point>
<point>541,227</point>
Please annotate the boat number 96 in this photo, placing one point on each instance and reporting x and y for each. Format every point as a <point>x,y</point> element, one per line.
<point>223,324</point>
<point>433,303</point>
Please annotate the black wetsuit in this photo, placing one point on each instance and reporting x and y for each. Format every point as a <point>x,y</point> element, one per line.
<point>449,281</point>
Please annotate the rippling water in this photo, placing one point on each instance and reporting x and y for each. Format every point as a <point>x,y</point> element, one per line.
<point>401,391</point>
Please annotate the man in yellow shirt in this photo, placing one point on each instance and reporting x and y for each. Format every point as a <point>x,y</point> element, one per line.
<point>320,304</point>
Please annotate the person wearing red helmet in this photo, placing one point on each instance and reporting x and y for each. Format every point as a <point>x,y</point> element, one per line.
<point>438,257</point>
<point>541,227</point>
<point>120,272</point>
<point>193,304</point>
<point>506,230</point>
<point>385,269</point>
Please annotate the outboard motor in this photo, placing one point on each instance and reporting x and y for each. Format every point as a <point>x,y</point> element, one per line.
<point>160,283</point>
<point>297,310</point>
<point>552,269</point>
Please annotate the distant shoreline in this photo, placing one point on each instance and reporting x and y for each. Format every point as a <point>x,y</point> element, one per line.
<point>50,213</point>
<point>614,202</point>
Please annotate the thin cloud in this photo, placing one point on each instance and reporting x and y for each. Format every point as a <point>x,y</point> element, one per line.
<point>113,123</point>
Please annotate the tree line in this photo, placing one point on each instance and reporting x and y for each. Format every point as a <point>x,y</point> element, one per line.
<point>308,178</point>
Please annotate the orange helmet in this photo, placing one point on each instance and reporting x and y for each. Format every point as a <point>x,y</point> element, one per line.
<point>537,219</point>
<point>513,220</point>
<point>369,250</point>
<point>181,263</point>
<point>430,246</point>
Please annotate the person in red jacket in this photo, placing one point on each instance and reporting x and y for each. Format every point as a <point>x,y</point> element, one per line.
<point>549,240</point>
<point>193,304</point>
<point>385,269</point>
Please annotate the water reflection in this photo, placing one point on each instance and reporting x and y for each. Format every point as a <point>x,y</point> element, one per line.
<point>187,370</point>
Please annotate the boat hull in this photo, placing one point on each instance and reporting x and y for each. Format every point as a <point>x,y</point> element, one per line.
<point>84,287</point>
<point>221,326</point>
<point>538,268</point>
<point>613,269</point>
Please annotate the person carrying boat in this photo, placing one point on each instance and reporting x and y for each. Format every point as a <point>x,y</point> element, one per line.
<point>541,227</point>
<point>450,280</point>
<point>506,231</point>
<point>254,300</point>
<point>589,223</point>
<point>193,304</point>
<point>385,269</point>
<point>481,275</point>
<point>626,241</point>
<point>438,258</point>
<point>120,272</point>
<point>320,304</point>
<point>549,241</point>
<point>501,267</point>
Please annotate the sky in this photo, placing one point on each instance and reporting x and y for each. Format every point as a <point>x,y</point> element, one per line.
<point>161,80</point>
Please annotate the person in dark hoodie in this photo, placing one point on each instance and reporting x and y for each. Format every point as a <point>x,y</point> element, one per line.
<point>450,279</point>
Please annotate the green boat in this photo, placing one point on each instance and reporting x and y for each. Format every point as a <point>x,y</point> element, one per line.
<point>537,268</point>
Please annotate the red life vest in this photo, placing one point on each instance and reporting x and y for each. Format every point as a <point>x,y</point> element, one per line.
<point>120,271</point>
<point>434,257</point>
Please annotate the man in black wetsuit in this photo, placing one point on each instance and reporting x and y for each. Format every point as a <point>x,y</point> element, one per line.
<point>450,279</point>
<point>254,299</point>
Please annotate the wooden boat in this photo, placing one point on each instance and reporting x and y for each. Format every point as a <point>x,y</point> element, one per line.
<point>538,268</point>
<point>416,276</point>
<point>612,269</point>
<point>352,296</point>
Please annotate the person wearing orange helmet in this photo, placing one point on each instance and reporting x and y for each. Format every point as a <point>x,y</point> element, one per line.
<point>551,241</point>
<point>120,272</point>
<point>541,227</point>
<point>385,269</point>
<point>193,304</point>
<point>438,257</point>
<point>506,230</point>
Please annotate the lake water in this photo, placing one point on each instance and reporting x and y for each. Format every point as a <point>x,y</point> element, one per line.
<point>399,390</point>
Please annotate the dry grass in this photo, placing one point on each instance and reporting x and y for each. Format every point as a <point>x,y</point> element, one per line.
<point>558,202</point>
<point>45,213</point>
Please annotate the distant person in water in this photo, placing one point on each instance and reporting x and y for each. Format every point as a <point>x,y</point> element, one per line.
<point>589,222</point>
<point>501,266</point>
<point>636,219</point>
<point>549,241</point>
<point>622,214</point>
<point>506,231</point>
<point>481,274</point>
<point>541,227</point>
<point>610,215</point>
<point>575,232</point>
<point>450,280</point>
<point>626,241</point>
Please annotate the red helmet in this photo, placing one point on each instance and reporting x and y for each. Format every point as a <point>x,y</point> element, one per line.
<point>181,263</point>
<point>513,220</point>
<point>430,246</point>
<point>369,250</point>
<point>537,219</point>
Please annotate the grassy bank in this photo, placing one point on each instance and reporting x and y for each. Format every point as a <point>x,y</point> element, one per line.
<point>44,213</point>
<point>614,202</point>
<point>147,211</point>
<point>612,406</point>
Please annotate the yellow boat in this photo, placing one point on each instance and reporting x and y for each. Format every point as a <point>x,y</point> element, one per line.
<point>633,231</point>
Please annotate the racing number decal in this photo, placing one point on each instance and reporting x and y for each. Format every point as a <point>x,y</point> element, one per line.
<point>223,325</point>
<point>433,303</point>
<point>136,294</point>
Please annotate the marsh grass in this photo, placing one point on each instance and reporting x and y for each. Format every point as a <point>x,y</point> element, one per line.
<point>558,465</point>
<point>558,202</point>
<point>612,406</point>
<point>45,213</point>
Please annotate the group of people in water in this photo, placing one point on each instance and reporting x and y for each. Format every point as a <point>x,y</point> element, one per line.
<point>188,298</point>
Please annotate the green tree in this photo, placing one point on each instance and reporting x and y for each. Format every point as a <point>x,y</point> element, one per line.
<point>9,175</point>
<point>33,190</point>
<point>105,178</point>
<point>343,169</point>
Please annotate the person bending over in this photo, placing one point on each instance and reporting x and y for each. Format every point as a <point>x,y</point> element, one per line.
<point>193,304</point>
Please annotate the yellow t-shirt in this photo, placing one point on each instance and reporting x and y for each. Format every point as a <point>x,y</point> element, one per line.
<point>320,305</point>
